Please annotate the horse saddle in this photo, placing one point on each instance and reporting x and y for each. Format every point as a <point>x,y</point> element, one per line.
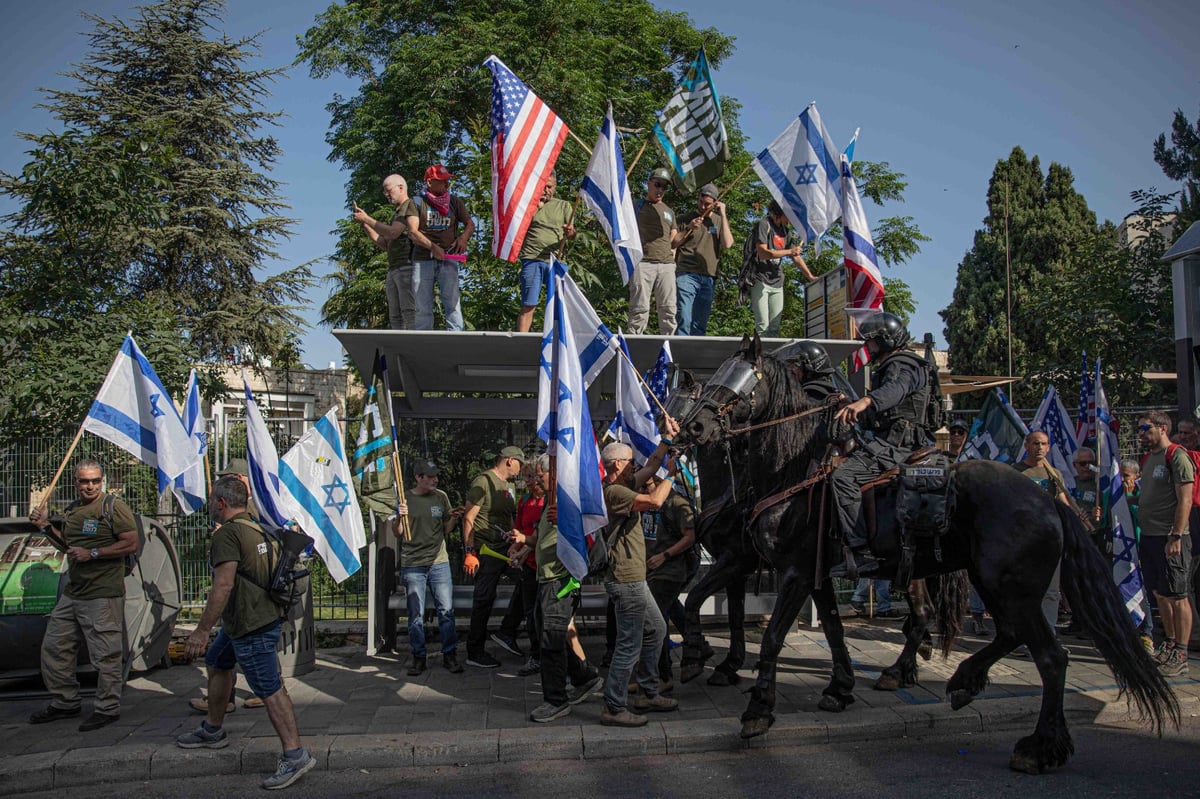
<point>922,486</point>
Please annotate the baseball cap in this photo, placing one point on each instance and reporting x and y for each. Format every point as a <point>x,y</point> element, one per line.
<point>958,424</point>
<point>426,467</point>
<point>236,466</point>
<point>660,174</point>
<point>438,172</point>
<point>710,190</point>
<point>513,452</point>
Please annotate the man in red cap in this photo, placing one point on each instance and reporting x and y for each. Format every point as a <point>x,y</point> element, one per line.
<point>439,248</point>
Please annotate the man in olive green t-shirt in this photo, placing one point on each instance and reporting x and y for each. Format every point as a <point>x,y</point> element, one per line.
<point>655,274</point>
<point>552,223</point>
<point>97,540</point>
<point>699,242</point>
<point>393,237</point>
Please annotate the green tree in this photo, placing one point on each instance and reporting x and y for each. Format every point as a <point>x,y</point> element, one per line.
<point>1181,161</point>
<point>151,211</point>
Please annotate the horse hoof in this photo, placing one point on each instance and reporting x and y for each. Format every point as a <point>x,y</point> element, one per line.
<point>960,699</point>
<point>887,682</point>
<point>925,650</point>
<point>831,704</point>
<point>752,728</point>
<point>721,677</point>
<point>690,671</point>
<point>1025,762</point>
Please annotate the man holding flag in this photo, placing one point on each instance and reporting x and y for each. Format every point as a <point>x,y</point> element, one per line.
<point>551,225</point>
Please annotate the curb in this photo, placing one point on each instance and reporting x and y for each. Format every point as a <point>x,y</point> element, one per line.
<point>52,770</point>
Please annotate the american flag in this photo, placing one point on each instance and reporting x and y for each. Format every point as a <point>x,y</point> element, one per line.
<point>858,253</point>
<point>656,377</point>
<point>1051,418</point>
<point>1085,427</point>
<point>526,139</point>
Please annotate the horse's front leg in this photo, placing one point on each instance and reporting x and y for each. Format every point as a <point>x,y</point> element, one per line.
<point>695,649</point>
<point>726,672</point>
<point>840,691</point>
<point>795,586</point>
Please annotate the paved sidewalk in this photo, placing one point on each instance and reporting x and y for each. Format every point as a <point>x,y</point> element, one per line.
<point>362,712</point>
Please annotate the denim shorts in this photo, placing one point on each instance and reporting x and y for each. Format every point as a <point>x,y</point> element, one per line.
<point>533,275</point>
<point>255,653</point>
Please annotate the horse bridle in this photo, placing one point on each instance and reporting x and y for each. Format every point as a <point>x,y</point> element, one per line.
<point>735,381</point>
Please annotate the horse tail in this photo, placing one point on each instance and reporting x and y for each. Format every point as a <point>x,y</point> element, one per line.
<point>1087,581</point>
<point>950,594</point>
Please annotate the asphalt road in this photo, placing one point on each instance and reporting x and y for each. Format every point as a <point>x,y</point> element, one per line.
<point>1109,761</point>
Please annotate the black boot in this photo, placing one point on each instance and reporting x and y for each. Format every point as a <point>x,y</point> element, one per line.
<point>859,563</point>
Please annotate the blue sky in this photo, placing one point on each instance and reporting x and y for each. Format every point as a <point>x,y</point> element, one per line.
<point>940,90</point>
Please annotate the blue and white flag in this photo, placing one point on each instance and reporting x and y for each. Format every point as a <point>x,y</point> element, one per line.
<point>568,429</point>
<point>316,489</point>
<point>594,342</point>
<point>634,423</point>
<point>801,170</point>
<point>134,411</point>
<point>606,192</point>
<point>997,434</point>
<point>1052,419</point>
<point>191,487</point>
<point>1126,572</point>
<point>264,464</point>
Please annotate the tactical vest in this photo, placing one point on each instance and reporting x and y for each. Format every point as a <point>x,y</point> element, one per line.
<point>905,424</point>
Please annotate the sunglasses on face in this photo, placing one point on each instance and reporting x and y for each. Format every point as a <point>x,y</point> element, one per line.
<point>658,184</point>
<point>1144,427</point>
<point>85,481</point>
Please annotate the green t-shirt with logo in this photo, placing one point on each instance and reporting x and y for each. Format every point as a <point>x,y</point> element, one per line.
<point>497,502</point>
<point>545,231</point>
<point>662,529</point>
<point>627,545</point>
<point>85,526</point>
<point>427,514</point>
<point>250,607</point>
<point>1157,503</point>
<point>656,222</point>
<point>700,251</point>
<point>399,249</point>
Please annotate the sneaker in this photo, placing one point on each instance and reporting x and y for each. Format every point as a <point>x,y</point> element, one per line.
<point>547,712</point>
<point>532,666</point>
<point>98,720</point>
<point>508,643</point>
<point>1176,663</point>
<point>858,607</point>
<point>578,693</point>
<point>201,738</point>
<point>201,705</point>
<point>52,713</point>
<point>288,771</point>
<point>653,704</point>
<point>666,686</point>
<point>483,661</point>
<point>417,667</point>
<point>622,718</point>
<point>450,661</point>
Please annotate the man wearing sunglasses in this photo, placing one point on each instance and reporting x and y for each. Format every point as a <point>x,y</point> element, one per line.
<point>655,275</point>
<point>98,534</point>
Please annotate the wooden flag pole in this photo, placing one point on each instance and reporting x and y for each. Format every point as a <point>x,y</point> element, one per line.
<point>636,158</point>
<point>54,482</point>
<point>586,149</point>
<point>736,181</point>
<point>399,473</point>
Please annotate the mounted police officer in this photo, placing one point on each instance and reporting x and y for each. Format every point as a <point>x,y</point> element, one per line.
<point>893,420</point>
<point>811,365</point>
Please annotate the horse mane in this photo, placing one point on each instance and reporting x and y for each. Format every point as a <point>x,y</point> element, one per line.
<point>784,449</point>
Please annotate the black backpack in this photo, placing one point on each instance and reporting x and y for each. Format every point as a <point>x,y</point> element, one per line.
<point>290,582</point>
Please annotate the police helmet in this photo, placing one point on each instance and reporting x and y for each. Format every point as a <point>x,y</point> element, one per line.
<point>885,328</point>
<point>808,354</point>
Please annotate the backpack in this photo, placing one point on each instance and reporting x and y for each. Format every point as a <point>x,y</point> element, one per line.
<point>1195,458</point>
<point>106,514</point>
<point>289,584</point>
<point>745,279</point>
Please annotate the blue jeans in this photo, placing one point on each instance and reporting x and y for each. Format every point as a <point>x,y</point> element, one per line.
<point>883,599</point>
<point>693,303</point>
<point>255,653</point>
<point>640,634</point>
<point>445,273</point>
<point>437,577</point>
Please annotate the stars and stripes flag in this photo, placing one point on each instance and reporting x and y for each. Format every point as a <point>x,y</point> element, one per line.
<point>606,192</point>
<point>526,139</point>
<point>191,487</point>
<point>1052,419</point>
<point>691,130</point>
<point>1126,571</point>
<point>134,411</point>
<point>568,431</point>
<point>864,281</point>
<point>656,377</point>
<point>1085,427</point>
<point>801,171</point>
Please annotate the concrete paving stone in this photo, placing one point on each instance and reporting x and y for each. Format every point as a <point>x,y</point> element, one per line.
<point>20,774</point>
<point>430,722</point>
<point>600,742</point>
<point>89,765</point>
<point>930,719</point>
<point>170,762</point>
<point>697,713</point>
<point>501,718</point>
<point>558,740</point>
<point>862,724</point>
<point>712,735</point>
<point>793,729</point>
<point>1019,712</point>
<point>371,751</point>
<point>261,755</point>
<point>461,747</point>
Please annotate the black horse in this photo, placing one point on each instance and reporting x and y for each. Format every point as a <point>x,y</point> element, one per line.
<point>1004,530</point>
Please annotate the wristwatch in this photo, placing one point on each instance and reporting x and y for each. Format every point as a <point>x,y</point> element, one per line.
<point>95,553</point>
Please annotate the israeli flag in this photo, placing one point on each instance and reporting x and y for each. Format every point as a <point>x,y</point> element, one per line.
<point>264,464</point>
<point>191,488</point>
<point>567,430</point>
<point>634,424</point>
<point>801,170</point>
<point>606,192</point>
<point>134,411</point>
<point>316,490</point>
<point>594,343</point>
<point>1051,418</point>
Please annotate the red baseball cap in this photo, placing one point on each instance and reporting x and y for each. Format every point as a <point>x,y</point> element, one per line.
<point>438,172</point>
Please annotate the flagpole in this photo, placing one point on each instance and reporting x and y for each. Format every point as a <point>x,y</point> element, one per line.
<point>381,359</point>
<point>586,149</point>
<point>736,180</point>
<point>70,451</point>
<point>562,245</point>
<point>636,158</point>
